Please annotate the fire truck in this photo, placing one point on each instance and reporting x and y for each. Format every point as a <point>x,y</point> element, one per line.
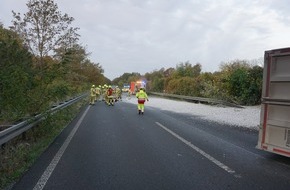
<point>136,85</point>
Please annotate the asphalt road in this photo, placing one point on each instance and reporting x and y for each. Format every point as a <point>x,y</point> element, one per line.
<point>112,147</point>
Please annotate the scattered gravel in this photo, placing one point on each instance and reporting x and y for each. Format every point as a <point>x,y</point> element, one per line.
<point>249,116</point>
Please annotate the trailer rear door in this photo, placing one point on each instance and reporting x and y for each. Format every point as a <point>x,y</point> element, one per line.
<point>274,132</point>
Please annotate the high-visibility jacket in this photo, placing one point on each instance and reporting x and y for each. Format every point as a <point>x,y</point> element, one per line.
<point>98,91</point>
<point>142,96</point>
<point>93,91</point>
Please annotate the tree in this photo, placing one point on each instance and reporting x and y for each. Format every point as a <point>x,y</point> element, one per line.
<point>126,78</point>
<point>231,66</point>
<point>15,76</point>
<point>44,29</point>
<point>187,70</point>
<point>242,81</point>
<point>196,70</point>
<point>187,86</point>
<point>246,85</point>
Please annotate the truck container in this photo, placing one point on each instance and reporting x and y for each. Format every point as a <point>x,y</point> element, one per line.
<point>274,131</point>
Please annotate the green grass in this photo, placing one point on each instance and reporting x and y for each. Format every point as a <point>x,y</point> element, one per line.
<point>20,153</point>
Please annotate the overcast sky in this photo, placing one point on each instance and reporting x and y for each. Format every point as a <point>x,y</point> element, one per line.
<point>146,35</point>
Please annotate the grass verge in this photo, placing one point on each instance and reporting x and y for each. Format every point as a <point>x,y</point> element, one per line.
<point>19,154</point>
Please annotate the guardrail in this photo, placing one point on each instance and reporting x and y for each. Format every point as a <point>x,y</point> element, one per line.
<point>16,130</point>
<point>197,99</point>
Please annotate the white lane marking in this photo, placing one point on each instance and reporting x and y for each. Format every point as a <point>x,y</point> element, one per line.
<point>46,175</point>
<point>209,157</point>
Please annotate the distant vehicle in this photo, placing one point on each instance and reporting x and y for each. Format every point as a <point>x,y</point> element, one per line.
<point>125,88</point>
<point>136,85</point>
<point>274,132</point>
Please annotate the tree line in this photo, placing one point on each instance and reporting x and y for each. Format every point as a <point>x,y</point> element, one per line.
<point>238,81</point>
<point>42,62</point>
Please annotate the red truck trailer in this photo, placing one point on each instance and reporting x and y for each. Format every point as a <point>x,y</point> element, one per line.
<point>274,132</point>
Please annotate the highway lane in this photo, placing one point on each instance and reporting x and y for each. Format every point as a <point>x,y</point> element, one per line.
<point>115,148</point>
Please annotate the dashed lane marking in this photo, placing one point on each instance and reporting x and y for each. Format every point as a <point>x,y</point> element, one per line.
<point>209,157</point>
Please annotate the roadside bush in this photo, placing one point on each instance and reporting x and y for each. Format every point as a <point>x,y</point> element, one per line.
<point>20,153</point>
<point>245,85</point>
<point>15,76</point>
<point>158,85</point>
<point>184,86</point>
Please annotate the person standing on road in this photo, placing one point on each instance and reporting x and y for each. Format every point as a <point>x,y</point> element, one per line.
<point>129,94</point>
<point>142,97</point>
<point>105,94</point>
<point>110,96</point>
<point>92,95</point>
<point>118,93</point>
<point>98,92</point>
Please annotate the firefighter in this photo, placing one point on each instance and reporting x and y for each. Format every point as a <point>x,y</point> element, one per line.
<point>129,94</point>
<point>142,97</point>
<point>105,94</point>
<point>98,92</point>
<point>110,96</point>
<point>118,93</point>
<point>92,95</point>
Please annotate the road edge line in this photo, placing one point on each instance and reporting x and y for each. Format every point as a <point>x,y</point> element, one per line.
<point>47,173</point>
